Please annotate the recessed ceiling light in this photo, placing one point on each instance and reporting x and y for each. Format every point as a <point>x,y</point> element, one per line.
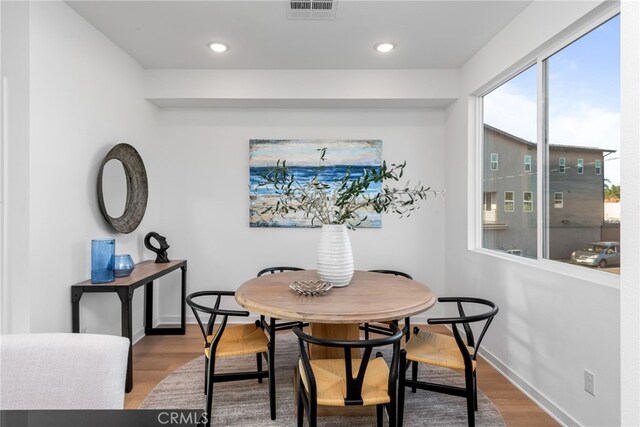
<point>384,47</point>
<point>218,47</point>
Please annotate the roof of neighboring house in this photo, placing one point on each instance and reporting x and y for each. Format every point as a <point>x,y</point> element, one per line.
<point>580,148</point>
<point>551,146</point>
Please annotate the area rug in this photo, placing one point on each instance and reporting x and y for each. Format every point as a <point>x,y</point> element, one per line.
<point>246,403</point>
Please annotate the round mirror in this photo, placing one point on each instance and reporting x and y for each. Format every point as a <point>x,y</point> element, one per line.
<point>123,157</point>
<point>114,188</point>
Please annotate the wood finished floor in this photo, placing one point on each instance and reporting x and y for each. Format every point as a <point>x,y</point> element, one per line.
<point>155,357</point>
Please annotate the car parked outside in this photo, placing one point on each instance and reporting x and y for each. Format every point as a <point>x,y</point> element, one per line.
<point>601,254</point>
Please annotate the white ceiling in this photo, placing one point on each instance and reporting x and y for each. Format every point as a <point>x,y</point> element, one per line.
<point>174,34</point>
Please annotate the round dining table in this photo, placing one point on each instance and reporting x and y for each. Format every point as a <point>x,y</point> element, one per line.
<point>370,297</point>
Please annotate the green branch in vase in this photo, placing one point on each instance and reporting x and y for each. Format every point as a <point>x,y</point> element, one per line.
<point>343,202</point>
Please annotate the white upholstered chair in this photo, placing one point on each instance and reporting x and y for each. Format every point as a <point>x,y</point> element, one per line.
<point>62,371</point>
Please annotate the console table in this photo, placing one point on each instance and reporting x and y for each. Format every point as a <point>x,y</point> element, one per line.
<point>144,274</point>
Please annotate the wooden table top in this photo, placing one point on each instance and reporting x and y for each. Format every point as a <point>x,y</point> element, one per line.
<point>371,297</point>
<point>144,272</point>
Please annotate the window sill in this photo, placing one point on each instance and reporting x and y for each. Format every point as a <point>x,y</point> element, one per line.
<point>588,274</point>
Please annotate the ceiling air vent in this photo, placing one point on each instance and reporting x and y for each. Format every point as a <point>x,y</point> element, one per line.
<point>312,9</point>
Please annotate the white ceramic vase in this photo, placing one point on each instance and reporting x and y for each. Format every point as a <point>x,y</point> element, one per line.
<point>335,259</point>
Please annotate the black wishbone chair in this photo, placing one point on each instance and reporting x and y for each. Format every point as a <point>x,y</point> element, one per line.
<point>447,352</point>
<point>383,328</point>
<point>222,340</point>
<point>344,381</point>
<point>274,324</point>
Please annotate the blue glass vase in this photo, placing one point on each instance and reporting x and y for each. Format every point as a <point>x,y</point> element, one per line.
<point>123,265</point>
<point>102,257</point>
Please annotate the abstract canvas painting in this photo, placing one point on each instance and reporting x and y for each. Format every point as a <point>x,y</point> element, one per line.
<point>303,157</point>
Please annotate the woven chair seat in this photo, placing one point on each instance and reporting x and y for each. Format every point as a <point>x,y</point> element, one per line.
<point>331,381</point>
<point>436,349</point>
<point>238,340</point>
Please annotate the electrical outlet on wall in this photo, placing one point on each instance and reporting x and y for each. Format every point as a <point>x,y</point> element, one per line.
<point>589,382</point>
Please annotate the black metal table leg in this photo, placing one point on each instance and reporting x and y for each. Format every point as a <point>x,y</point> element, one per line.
<point>76,294</point>
<point>148,307</point>
<point>183,297</point>
<point>125,296</point>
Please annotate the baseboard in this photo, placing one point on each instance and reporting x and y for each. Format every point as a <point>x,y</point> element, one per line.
<point>138,335</point>
<point>527,389</point>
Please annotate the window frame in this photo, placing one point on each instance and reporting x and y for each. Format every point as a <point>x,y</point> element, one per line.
<point>496,161</point>
<point>555,200</point>
<point>537,57</point>
<point>526,202</point>
<point>580,166</point>
<point>512,201</point>
<point>562,164</point>
<point>527,163</point>
<point>597,166</point>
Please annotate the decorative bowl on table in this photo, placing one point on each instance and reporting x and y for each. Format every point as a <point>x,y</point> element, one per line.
<point>123,265</point>
<point>311,288</point>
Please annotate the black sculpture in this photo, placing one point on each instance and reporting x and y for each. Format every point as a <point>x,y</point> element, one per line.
<point>162,250</point>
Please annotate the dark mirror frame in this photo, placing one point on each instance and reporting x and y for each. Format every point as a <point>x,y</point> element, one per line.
<point>137,188</point>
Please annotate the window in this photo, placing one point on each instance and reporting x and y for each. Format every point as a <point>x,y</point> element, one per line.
<point>582,86</point>
<point>565,106</point>
<point>516,141</point>
<point>527,201</point>
<point>494,161</point>
<point>509,201</point>
<point>558,200</point>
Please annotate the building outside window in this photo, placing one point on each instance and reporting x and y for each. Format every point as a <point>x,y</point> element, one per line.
<point>510,232</point>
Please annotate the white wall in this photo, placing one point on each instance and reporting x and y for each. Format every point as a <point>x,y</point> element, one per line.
<point>85,97</point>
<point>551,325</point>
<point>15,166</point>
<point>205,193</point>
